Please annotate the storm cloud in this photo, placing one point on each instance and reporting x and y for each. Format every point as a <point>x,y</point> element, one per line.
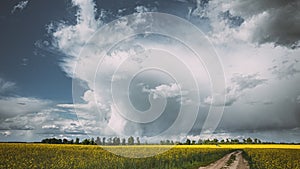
<point>240,84</point>
<point>257,43</point>
<point>265,21</point>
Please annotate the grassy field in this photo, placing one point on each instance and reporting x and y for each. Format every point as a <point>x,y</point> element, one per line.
<point>14,155</point>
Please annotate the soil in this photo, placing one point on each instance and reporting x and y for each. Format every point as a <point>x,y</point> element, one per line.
<point>238,163</point>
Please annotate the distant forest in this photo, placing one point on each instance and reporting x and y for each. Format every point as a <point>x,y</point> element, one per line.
<point>136,141</point>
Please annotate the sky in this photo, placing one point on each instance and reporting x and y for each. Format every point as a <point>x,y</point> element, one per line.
<point>150,69</point>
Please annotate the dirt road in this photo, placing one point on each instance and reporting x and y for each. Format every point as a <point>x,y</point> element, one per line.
<point>238,163</point>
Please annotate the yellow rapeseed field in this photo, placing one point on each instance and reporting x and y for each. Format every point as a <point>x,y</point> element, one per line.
<point>264,156</point>
<point>273,158</point>
<point>93,156</point>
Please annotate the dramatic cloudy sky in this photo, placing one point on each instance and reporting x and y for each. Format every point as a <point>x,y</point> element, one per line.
<point>53,83</point>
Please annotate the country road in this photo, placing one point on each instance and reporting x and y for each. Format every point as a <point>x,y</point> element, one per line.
<point>238,163</point>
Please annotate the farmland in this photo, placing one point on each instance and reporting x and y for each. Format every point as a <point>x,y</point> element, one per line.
<point>273,158</point>
<point>14,155</point>
<point>80,156</point>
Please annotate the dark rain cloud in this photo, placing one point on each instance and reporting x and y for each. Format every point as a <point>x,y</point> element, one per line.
<point>282,25</point>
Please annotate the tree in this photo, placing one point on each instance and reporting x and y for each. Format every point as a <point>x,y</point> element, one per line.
<point>103,140</point>
<point>130,140</point>
<point>98,141</point>
<point>207,141</point>
<point>178,143</point>
<point>65,141</point>
<point>109,141</point>
<point>92,142</point>
<point>249,140</point>
<point>116,141</point>
<point>77,140</point>
<point>235,141</point>
<point>168,142</point>
<point>188,142</point>
<point>123,141</point>
<point>86,142</point>
<point>138,141</point>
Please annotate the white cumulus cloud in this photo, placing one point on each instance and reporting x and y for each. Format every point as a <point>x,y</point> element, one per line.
<point>165,90</point>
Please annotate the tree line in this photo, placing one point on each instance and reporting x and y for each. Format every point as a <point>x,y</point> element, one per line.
<point>223,141</point>
<point>98,141</point>
<point>136,141</point>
